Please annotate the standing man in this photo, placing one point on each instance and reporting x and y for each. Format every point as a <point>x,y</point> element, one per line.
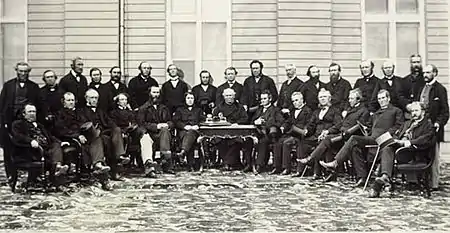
<point>230,76</point>
<point>51,97</point>
<point>114,86</point>
<point>139,86</point>
<point>393,84</point>
<point>434,96</point>
<point>254,85</point>
<point>96,84</point>
<point>291,85</point>
<point>310,89</point>
<point>172,91</point>
<point>367,84</point>
<point>75,81</point>
<point>413,82</point>
<point>15,94</point>
<point>205,93</point>
<point>339,87</point>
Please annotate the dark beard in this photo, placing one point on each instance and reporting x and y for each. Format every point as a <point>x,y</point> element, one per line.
<point>156,100</point>
<point>415,69</point>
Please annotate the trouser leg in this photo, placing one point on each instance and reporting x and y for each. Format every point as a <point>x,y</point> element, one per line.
<point>287,147</point>
<point>146,148</point>
<point>263,151</point>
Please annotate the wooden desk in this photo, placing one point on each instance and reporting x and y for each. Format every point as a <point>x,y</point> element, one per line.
<point>226,132</point>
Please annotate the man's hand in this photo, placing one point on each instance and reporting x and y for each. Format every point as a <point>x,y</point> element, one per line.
<point>344,113</point>
<point>323,135</point>
<point>82,139</point>
<point>285,110</point>
<point>437,126</point>
<point>258,121</point>
<point>220,115</point>
<point>245,107</point>
<point>211,105</point>
<point>282,129</point>
<point>187,127</point>
<point>34,144</point>
<point>162,125</point>
<point>195,127</point>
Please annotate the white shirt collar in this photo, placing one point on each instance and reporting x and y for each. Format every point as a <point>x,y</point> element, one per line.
<point>74,73</point>
<point>431,83</point>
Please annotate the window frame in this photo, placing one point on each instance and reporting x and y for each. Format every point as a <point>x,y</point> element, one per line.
<point>392,18</point>
<point>24,21</point>
<point>197,19</point>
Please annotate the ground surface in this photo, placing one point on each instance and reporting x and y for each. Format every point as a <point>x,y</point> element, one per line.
<point>217,201</point>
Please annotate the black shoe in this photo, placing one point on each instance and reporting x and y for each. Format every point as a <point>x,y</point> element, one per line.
<point>274,172</point>
<point>151,174</point>
<point>331,177</point>
<point>106,186</point>
<point>226,167</point>
<point>99,169</point>
<point>257,170</point>
<point>359,183</point>
<point>296,174</point>
<point>376,188</point>
<point>124,160</point>
<point>285,172</point>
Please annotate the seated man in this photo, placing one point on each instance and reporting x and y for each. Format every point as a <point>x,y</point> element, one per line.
<point>387,119</point>
<point>140,142</point>
<point>68,126</point>
<point>229,149</point>
<point>156,119</point>
<point>268,120</point>
<point>294,131</point>
<point>110,133</point>
<point>322,119</point>
<point>417,133</point>
<point>187,120</point>
<point>33,141</point>
<point>339,133</point>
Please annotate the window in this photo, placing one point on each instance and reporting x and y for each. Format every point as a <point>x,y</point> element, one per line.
<point>13,36</point>
<point>199,37</point>
<point>393,29</point>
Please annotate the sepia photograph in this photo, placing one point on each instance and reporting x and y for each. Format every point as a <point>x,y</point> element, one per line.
<point>224,116</point>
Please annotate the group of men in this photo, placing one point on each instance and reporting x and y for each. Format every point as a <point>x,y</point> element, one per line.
<point>317,119</point>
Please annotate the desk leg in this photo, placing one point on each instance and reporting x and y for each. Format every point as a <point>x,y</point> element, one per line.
<point>201,140</point>
<point>253,153</point>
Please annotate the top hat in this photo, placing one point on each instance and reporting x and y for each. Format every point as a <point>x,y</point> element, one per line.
<point>385,140</point>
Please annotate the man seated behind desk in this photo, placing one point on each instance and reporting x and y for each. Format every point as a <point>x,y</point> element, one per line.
<point>229,149</point>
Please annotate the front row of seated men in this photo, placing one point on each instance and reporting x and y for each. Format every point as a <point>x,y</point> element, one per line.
<point>316,135</point>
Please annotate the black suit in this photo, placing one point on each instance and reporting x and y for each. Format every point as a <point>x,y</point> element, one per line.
<point>237,87</point>
<point>139,90</point>
<point>394,86</point>
<point>182,117</point>
<point>411,86</point>
<point>68,126</point>
<point>252,91</point>
<point>310,91</point>
<point>282,149</point>
<point>339,93</point>
<point>69,83</point>
<point>12,100</point>
<point>149,117</point>
<point>323,150</point>
<point>204,98</point>
<point>421,137</point>
<point>437,107</point>
<point>52,99</point>
<point>284,100</point>
<point>104,95</point>
<point>383,120</point>
<point>272,119</point>
<point>368,85</point>
<point>24,132</point>
<point>173,97</point>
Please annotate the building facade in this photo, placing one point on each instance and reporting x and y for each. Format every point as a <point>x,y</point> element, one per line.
<point>214,34</point>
